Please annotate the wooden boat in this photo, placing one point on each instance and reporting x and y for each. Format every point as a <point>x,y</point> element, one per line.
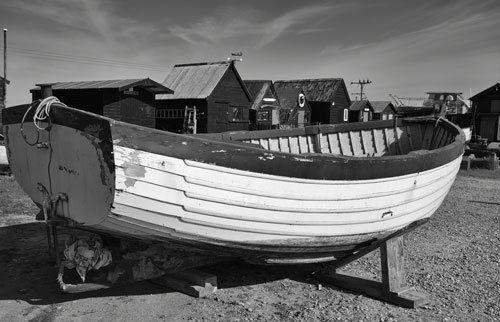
<point>279,196</point>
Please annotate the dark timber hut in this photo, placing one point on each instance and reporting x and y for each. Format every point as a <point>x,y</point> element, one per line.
<point>383,110</point>
<point>127,100</point>
<point>264,112</point>
<point>360,111</point>
<point>328,98</point>
<point>295,109</point>
<point>216,90</point>
<point>486,113</point>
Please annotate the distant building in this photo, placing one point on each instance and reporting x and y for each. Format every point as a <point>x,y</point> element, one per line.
<point>295,109</point>
<point>360,111</point>
<point>486,113</point>
<point>127,100</point>
<point>383,110</point>
<point>215,89</point>
<point>328,98</point>
<point>264,112</point>
<point>3,82</point>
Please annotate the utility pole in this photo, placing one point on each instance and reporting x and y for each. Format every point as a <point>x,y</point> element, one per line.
<point>5,67</point>
<point>361,84</point>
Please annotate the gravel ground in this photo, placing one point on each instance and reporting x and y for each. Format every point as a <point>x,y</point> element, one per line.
<point>454,258</point>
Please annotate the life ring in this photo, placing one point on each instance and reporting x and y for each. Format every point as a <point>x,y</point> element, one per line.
<point>302,100</point>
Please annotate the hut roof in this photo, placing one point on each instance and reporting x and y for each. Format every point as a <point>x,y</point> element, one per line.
<point>318,90</point>
<point>258,90</point>
<point>360,105</point>
<point>288,97</point>
<point>490,90</point>
<point>380,106</point>
<point>198,80</point>
<point>120,84</point>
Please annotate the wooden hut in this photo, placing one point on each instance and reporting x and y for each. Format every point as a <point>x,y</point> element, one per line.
<point>486,113</point>
<point>328,98</point>
<point>3,83</point>
<point>295,109</point>
<point>264,112</point>
<point>360,111</point>
<point>383,110</point>
<point>127,100</point>
<point>214,90</point>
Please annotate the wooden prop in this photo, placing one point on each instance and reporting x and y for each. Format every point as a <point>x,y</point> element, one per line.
<point>392,288</point>
<point>191,282</point>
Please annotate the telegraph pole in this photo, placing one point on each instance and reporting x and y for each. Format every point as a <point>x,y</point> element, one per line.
<point>5,67</point>
<point>361,84</point>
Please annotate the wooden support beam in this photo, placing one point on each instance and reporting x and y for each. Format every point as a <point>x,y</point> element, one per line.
<point>191,282</point>
<point>392,288</point>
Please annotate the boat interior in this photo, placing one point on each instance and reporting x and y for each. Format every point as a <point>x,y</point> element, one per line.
<point>368,139</point>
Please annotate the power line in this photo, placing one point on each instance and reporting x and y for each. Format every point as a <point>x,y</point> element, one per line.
<point>38,54</point>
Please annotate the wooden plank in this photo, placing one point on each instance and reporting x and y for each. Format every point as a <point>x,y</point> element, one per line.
<point>334,143</point>
<point>191,282</point>
<point>389,140</point>
<point>392,261</point>
<point>345,143</point>
<point>409,137</point>
<point>407,297</point>
<point>283,143</point>
<point>293,142</point>
<point>369,141</point>
<point>302,144</point>
<point>274,144</point>
<point>427,138</point>
<point>329,143</point>
<point>363,144</point>
<point>310,144</point>
<point>355,139</point>
<point>265,143</point>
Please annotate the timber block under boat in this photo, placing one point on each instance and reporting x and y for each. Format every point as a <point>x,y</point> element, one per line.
<point>192,282</point>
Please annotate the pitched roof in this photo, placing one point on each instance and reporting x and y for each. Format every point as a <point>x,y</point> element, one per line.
<point>197,80</point>
<point>359,105</point>
<point>380,106</point>
<point>120,84</point>
<point>319,89</point>
<point>490,90</point>
<point>258,90</point>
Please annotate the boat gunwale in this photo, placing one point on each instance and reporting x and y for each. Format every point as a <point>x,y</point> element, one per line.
<point>239,154</point>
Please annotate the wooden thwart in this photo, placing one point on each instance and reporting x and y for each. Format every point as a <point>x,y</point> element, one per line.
<point>392,288</point>
<point>191,282</point>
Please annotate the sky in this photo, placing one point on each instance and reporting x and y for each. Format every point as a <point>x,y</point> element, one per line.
<point>406,48</point>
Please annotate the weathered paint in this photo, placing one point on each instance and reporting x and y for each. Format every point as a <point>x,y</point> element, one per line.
<point>239,197</point>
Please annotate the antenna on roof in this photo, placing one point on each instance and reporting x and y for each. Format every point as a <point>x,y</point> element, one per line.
<point>234,56</point>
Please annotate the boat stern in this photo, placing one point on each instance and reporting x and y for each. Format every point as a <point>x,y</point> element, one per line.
<point>66,163</point>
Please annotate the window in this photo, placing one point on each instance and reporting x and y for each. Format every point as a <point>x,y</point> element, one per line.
<point>307,117</point>
<point>263,116</point>
<point>238,114</point>
<point>346,115</point>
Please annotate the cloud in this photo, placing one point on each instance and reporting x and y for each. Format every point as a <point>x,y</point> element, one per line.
<point>91,16</point>
<point>248,22</point>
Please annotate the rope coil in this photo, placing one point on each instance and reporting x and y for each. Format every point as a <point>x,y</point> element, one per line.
<point>42,114</point>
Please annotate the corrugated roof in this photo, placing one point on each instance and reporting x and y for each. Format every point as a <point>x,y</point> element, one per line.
<point>197,80</point>
<point>359,105</point>
<point>319,90</point>
<point>120,84</point>
<point>380,106</point>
